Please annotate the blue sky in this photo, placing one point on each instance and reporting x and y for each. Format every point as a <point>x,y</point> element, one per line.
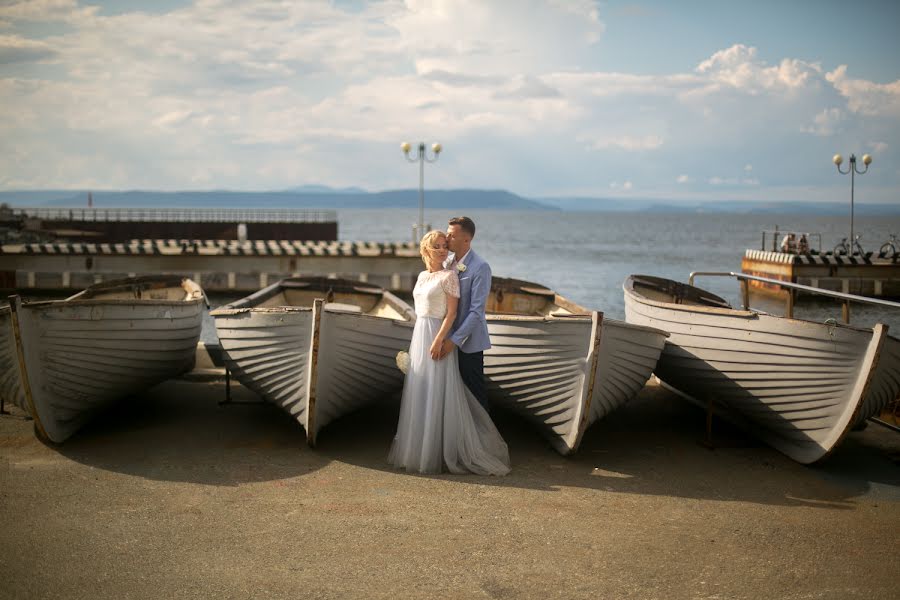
<point>695,99</point>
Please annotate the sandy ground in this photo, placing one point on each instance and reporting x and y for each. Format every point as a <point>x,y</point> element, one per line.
<point>173,496</point>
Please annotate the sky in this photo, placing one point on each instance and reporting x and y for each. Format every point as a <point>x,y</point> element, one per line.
<point>696,99</point>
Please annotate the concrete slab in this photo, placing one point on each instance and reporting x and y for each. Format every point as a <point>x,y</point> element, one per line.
<point>171,495</point>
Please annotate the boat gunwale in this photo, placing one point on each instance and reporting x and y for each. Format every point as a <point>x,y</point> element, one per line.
<point>304,283</point>
<point>84,298</point>
<point>347,286</point>
<point>628,288</point>
<point>111,302</point>
<point>729,312</point>
<point>227,312</point>
<point>536,289</point>
<point>530,288</point>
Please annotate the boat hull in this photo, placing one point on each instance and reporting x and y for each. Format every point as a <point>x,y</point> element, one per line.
<point>356,363</point>
<point>79,356</point>
<point>317,362</point>
<point>799,386</point>
<point>564,374</point>
<point>268,352</point>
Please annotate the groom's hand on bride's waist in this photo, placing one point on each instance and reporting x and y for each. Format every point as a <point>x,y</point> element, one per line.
<point>447,348</point>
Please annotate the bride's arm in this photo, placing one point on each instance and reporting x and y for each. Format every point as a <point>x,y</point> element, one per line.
<point>437,344</point>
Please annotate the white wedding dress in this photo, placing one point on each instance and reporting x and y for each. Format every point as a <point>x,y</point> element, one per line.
<point>441,422</point>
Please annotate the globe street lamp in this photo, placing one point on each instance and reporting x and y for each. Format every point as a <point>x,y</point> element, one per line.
<point>853,171</point>
<point>421,158</point>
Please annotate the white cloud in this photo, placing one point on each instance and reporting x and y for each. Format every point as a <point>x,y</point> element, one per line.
<point>739,67</point>
<point>625,142</point>
<point>271,94</point>
<point>45,10</point>
<point>625,186</point>
<point>733,181</point>
<point>470,36</point>
<point>867,97</point>
<point>824,123</point>
<point>16,49</point>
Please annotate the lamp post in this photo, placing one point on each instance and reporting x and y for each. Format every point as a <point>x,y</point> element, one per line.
<point>853,171</point>
<point>421,158</point>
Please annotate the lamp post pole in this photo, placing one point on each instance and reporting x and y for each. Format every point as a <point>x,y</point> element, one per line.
<point>853,171</point>
<point>421,158</point>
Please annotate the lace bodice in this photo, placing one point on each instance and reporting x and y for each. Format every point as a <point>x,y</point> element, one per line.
<point>430,293</point>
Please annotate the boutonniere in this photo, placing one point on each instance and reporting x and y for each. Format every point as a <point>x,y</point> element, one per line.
<point>461,267</point>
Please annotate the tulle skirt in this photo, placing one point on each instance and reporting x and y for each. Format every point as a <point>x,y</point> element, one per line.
<point>441,422</point>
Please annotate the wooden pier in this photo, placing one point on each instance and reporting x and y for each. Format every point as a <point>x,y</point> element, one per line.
<point>111,225</point>
<point>217,265</point>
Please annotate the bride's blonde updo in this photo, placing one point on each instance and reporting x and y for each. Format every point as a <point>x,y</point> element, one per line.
<point>426,243</point>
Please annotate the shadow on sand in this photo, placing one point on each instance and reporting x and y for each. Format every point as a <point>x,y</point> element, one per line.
<point>179,432</point>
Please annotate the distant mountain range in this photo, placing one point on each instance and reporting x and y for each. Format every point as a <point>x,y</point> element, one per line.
<point>314,196</point>
<point>657,205</point>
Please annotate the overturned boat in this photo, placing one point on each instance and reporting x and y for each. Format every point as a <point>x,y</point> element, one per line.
<point>318,348</point>
<point>560,365</point>
<point>798,385</point>
<point>112,340</point>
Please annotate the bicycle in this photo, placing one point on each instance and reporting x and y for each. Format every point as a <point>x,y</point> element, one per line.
<point>889,248</point>
<point>843,249</point>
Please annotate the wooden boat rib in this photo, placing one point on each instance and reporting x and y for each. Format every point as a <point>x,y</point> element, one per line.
<point>110,341</point>
<point>559,365</point>
<point>318,348</point>
<point>798,385</point>
<point>10,383</point>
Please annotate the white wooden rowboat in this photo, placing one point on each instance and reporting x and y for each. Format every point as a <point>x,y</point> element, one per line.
<point>112,340</point>
<point>559,365</point>
<point>318,348</point>
<point>798,385</point>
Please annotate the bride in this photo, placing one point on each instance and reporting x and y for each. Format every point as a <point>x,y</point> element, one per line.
<point>441,422</point>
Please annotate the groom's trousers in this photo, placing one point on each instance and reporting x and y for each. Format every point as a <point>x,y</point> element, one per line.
<point>471,368</point>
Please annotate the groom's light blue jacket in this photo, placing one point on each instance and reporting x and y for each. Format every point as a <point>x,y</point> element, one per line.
<point>470,332</point>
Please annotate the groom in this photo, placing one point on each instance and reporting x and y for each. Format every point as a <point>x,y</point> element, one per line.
<point>469,332</point>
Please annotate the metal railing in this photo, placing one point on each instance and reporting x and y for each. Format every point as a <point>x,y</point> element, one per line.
<point>192,215</point>
<point>778,234</point>
<point>745,280</point>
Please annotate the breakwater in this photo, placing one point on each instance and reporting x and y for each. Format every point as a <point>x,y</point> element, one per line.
<point>217,265</point>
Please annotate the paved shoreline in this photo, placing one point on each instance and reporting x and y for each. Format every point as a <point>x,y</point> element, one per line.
<point>171,495</point>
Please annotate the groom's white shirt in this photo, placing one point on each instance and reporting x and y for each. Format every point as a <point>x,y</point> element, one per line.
<point>453,261</point>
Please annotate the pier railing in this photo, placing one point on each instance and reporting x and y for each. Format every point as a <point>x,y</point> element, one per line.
<point>191,215</point>
<point>792,288</point>
<point>776,236</point>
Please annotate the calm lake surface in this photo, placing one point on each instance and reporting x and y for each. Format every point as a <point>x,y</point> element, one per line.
<point>586,256</point>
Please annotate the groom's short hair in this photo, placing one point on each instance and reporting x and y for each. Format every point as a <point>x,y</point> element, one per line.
<point>465,223</point>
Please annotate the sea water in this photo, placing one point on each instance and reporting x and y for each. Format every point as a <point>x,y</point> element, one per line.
<point>585,256</point>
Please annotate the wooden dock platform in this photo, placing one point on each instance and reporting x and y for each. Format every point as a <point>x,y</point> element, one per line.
<point>866,275</point>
